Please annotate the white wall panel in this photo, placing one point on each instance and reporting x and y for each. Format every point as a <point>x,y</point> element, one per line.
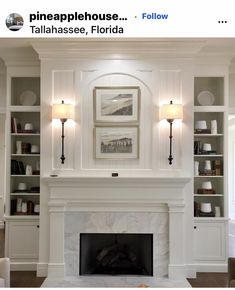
<point>170,88</point>
<point>145,138</point>
<point>63,86</point>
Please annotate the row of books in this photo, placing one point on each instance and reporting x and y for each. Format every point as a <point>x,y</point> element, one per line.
<point>17,167</point>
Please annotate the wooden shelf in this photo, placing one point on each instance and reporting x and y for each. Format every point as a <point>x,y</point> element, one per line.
<point>209,109</point>
<point>31,155</point>
<point>24,175</point>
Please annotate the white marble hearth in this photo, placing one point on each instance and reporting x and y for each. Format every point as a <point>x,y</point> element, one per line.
<point>152,205</point>
<point>114,282</point>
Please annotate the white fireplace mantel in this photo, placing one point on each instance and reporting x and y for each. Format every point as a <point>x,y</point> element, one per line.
<point>116,194</point>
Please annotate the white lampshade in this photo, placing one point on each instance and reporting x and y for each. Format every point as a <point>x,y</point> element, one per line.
<point>62,111</point>
<point>171,111</point>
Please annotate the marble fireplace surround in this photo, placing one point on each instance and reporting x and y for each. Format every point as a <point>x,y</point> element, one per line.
<point>103,204</point>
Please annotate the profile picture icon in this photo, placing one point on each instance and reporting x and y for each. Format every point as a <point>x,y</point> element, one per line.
<point>14,21</point>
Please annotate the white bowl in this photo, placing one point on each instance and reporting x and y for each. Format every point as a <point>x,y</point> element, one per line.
<point>205,207</point>
<point>201,125</point>
<point>34,149</point>
<point>206,185</point>
<point>206,147</point>
<point>22,186</point>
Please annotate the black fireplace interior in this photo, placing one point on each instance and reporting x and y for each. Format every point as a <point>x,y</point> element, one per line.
<point>116,254</point>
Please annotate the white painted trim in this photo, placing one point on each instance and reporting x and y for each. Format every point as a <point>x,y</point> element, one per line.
<point>2,225</point>
<point>211,267</point>
<point>23,266</point>
<point>42,269</point>
<point>56,270</point>
<point>190,271</point>
<point>176,272</point>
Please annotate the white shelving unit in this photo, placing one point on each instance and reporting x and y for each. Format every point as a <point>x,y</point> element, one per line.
<point>22,216</point>
<point>210,234</point>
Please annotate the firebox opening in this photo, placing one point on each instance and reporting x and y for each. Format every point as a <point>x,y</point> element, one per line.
<point>116,254</point>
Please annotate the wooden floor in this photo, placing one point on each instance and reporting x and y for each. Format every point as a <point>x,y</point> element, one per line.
<point>26,279</point>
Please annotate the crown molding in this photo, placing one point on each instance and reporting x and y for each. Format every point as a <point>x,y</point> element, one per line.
<point>117,49</point>
<point>19,56</point>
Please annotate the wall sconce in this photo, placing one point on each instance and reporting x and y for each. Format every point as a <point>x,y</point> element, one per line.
<point>171,112</point>
<point>63,112</point>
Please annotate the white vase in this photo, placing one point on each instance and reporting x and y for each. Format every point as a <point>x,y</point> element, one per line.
<point>207,166</point>
<point>196,168</point>
<point>18,147</point>
<point>213,127</point>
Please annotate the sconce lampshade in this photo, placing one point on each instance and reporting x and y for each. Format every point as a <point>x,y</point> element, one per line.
<point>171,111</point>
<point>62,111</point>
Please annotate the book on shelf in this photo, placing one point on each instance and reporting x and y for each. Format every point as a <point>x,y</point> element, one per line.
<point>17,167</point>
<point>217,167</point>
<point>15,125</point>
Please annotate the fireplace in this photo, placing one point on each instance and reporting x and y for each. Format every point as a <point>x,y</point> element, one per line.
<point>116,254</point>
<point>124,205</point>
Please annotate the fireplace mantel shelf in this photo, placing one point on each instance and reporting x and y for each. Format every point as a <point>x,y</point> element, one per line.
<point>104,181</point>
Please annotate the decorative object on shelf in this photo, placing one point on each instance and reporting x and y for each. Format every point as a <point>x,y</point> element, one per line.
<point>28,98</point>
<point>63,112</point>
<point>18,147</point>
<point>217,211</point>
<point>28,170</point>
<point>207,167</point>
<point>35,149</point>
<point>28,127</point>
<point>206,147</point>
<point>26,148</point>
<point>24,207</point>
<point>22,186</point>
<point>197,147</point>
<point>205,207</point>
<point>213,127</point>
<point>115,142</point>
<point>36,208</point>
<point>200,125</point>
<point>171,112</point>
<point>17,167</point>
<point>206,185</point>
<point>206,188</point>
<point>206,98</point>
<point>196,168</point>
<point>19,205</point>
<point>116,104</point>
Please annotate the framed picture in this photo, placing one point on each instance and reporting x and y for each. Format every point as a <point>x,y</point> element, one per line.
<point>116,142</point>
<point>116,104</point>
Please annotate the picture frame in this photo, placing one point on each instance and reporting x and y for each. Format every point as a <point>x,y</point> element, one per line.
<point>116,104</point>
<point>116,142</point>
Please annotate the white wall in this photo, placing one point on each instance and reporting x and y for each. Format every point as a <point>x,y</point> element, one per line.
<point>74,80</point>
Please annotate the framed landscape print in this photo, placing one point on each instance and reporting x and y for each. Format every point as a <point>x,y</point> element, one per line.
<point>116,104</point>
<point>116,142</point>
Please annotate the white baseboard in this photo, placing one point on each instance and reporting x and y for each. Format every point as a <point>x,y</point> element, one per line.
<point>190,271</point>
<point>2,225</point>
<point>223,268</point>
<point>56,270</point>
<point>42,269</point>
<point>17,266</point>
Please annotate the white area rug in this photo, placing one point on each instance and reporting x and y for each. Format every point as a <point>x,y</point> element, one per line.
<point>114,282</point>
